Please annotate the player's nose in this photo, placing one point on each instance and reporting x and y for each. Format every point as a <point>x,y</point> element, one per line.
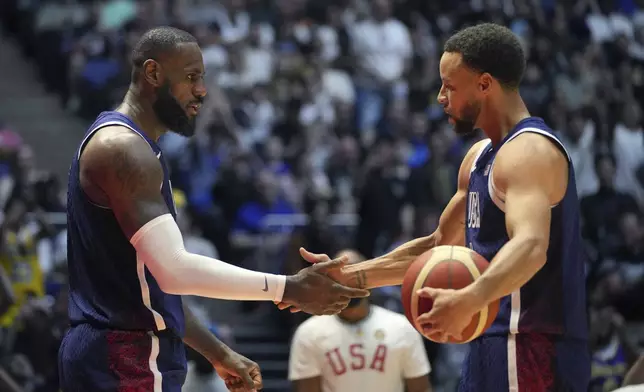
<point>200,91</point>
<point>441,98</point>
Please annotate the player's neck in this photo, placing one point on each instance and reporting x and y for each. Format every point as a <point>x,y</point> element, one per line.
<point>504,115</point>
<point>141,112</point>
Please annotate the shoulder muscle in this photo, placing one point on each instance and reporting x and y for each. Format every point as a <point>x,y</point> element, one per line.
<point>123,166</point>
<point>118,160</point>
<point>532,160</point>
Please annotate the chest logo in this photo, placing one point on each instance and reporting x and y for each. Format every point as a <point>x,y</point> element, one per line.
<point>473,208</point>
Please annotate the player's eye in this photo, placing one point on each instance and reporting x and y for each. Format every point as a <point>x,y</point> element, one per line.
<point>194,77</point>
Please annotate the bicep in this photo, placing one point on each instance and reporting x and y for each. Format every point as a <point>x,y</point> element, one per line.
<point>451,225</point>
<point>533,175</point>
<point>132,214</point>
<point>528,212</point>
<point>126,170</point>
<point>313,384</point>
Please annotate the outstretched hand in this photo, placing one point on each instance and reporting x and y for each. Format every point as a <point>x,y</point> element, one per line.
<point>314,258</point>
<point>328,267</point>
<point>314,290</point>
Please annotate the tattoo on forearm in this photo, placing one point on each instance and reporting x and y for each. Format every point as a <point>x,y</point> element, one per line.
<point>419,248</point>
<point>361,279</point>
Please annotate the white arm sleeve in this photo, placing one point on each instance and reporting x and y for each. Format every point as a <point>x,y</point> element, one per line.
<point>159,244</point>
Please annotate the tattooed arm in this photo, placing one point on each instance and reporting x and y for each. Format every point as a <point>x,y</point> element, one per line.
<point>389,269</point>
<point>119,170</point>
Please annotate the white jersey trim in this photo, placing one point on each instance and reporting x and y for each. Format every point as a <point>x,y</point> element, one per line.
<point>145,293</point>
<point>513,371</point>
<point>498,197</point>
<point>478,155</point>
<point>154,366</point>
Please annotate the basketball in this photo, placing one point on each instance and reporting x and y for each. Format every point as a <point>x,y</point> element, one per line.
<point>446,267</point>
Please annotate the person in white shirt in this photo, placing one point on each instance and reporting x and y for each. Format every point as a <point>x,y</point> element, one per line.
<point>364,348</point>
<point>383,50</point>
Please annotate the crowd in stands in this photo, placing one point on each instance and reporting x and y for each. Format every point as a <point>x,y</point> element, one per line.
<point>321,129</point>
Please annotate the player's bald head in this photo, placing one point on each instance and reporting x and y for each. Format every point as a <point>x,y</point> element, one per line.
<point>353,255</point>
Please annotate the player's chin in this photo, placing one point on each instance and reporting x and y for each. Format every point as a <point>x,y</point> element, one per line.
<point>462,128</point>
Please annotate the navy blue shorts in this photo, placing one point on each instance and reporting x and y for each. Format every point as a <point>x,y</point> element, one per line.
<point>102,360</point>
<point>526,363</point>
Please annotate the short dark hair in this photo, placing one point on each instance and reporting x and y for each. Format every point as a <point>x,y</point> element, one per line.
<point>490,48</point>
<point>156,42</point>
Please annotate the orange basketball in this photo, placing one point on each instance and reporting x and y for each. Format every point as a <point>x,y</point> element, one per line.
<point>446,267</point>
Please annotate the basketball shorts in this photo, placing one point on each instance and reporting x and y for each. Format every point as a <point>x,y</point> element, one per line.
<point>102,360</point>
<point>526,363</point>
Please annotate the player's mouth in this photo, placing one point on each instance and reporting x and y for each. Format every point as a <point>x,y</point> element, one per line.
<point>194,108</point>
<point>451,120</point>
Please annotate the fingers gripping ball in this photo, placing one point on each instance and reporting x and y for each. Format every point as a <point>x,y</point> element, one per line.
<point>446,267</point>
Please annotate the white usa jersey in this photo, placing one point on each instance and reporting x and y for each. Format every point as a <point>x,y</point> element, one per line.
<point>376,354</point>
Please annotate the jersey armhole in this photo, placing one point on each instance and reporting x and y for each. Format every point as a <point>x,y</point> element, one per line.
<point>478,155</point>
<point>498,197</point>
<point>86,140</point>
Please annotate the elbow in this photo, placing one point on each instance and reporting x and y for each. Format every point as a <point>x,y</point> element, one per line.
<point>166,279</point>
<point>168,284</point>
<point>537,248</point>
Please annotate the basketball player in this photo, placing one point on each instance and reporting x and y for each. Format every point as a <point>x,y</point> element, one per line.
<point>127,264</point>
<point>365,347</point>
<point>517,206</point>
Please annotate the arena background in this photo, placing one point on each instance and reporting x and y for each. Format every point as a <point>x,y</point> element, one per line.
<point>313,137</point>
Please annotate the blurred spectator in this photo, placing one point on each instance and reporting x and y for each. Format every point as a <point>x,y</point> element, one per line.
<point>321,130</point>
<point>629,154</point>
<point>612,353</point>
<point>382,48</point>
<point>601,211</point>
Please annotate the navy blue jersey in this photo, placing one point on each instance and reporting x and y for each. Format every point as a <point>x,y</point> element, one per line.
<point>554,300</point>
<point>109,287</point>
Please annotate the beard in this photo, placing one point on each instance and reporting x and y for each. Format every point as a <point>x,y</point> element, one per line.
<point>466,124</point>
<point>172,114</point>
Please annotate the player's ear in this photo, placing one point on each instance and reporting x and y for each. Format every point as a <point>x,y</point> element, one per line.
<point>485,82</point>
<point>152,72</point>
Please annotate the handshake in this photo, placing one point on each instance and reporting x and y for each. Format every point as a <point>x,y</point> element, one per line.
<point>324,288</point>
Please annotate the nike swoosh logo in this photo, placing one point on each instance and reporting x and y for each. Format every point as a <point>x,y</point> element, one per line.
<point>159,155</point>
<point>265,284</point>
